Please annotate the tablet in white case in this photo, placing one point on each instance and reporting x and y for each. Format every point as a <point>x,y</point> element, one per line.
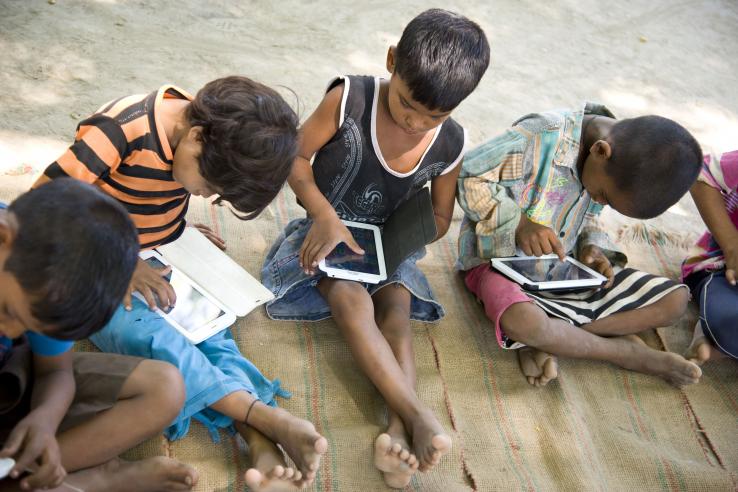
<point>196,314</point>
<point>548,272</point>
<point>343,263</point>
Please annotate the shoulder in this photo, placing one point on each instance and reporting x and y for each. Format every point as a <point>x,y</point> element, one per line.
<point>504,150</point>
<point>354,93</point>
<point>546,121</point>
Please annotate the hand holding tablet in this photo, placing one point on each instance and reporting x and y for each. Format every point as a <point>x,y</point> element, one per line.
<point>548,272</point>
<point>196,314</point>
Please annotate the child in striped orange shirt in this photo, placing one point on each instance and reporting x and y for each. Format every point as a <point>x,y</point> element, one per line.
<point>236,139</point>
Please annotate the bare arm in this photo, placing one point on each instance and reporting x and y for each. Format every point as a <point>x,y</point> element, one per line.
<point>327,230</point>
<point>33,438</point>
<point>443,196</point>
<point>711,205</point>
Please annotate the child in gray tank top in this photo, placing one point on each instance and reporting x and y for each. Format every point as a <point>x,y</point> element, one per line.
<point>376,142</point>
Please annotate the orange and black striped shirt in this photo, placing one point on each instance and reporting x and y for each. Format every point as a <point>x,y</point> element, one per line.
<point>123,149</point>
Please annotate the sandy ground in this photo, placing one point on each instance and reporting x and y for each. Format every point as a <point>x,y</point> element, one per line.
<point>60,61</point>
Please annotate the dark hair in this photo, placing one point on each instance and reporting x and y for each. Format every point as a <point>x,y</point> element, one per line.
<point>654,161</point>
<point>249,141</point>
<point>441,57</point>
<point>73,255</point>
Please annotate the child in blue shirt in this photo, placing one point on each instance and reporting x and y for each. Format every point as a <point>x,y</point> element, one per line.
<point>67,253</point>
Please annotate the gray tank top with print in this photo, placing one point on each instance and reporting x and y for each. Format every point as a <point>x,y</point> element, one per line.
<point>350,171</point>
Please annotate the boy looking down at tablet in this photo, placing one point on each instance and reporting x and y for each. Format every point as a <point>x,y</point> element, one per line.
<point>235,139</point>
<point>537,189</point>
<point>67,253</point>
<point>377,142</point>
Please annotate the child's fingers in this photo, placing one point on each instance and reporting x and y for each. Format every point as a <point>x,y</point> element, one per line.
<point>148,296</point>
<point>13,444</point>
<point>127,300</point>
<point>557,247</point>
<point>48,475</point>
<point>351,243</point>
<point>31,451</point>
<point>525,246</point>
<point>535,248</point>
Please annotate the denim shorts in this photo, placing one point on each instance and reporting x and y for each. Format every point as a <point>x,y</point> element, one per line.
<point>297,297</point>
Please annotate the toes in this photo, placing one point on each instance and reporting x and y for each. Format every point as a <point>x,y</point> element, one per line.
<point>404,454</point>
<point>383,444</point>
<point>253,478</point>
<point>277,472</point>
<point>321,445</point>
<point>396,448</point>
<point>288,474</point>
<point>531,380</point>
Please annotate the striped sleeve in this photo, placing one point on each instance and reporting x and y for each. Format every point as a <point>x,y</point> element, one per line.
<point>99,147</point>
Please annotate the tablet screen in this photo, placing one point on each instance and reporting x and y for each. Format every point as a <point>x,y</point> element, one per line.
<point>192,309</point>
<point>342,257</point>
<point>548,270</point>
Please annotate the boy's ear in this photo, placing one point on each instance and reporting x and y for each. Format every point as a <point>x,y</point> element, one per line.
<point>391,58</point>
<point>601,149</point>
<point>195,134</point>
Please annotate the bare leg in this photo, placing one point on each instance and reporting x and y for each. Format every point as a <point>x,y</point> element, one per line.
<point>664,312</point>
<point>353,312</point>
<point>298,437</point>
<point>392,452</point>
<point>149,400</point>
<point>529,324</point>
<point>269,471</point>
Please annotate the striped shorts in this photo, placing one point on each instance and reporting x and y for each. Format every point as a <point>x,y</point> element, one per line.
<point>631,289</point>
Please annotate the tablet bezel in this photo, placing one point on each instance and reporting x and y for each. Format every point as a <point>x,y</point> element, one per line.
<point>360,276</point>
<point>500,265</point>
<point>205,331</point>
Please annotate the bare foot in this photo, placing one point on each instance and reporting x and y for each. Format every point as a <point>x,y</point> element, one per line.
<point>700,350</point>
<point>538,367</point>
<point>151,475</point>
<point>430,442</point>
<point>393,458</point>
<point>269,471</point>
<point>638,356</point>
<point>300,441</point>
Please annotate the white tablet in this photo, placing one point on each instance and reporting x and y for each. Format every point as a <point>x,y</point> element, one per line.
<point>195,314</point>
<point>343,263</point>
<point>548,272</point>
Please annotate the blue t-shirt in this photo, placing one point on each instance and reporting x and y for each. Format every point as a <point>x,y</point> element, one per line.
<point>40,344</point>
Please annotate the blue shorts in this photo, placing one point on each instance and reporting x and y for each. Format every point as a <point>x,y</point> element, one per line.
<point>296,294</point>
<point>718,301</point>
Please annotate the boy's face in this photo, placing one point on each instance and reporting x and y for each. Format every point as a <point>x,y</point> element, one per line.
<point>407,113</point>
<point>15,303</point>
<point>599,184</point>
<point>186,168</point>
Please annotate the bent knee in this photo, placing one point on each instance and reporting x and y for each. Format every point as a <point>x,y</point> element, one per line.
<point>671,307</point>
<point>344,296</point>
<point>526,323</point>
<point>163,382</point>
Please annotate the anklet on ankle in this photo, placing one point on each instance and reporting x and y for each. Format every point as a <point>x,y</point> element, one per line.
<point>248,412</point>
